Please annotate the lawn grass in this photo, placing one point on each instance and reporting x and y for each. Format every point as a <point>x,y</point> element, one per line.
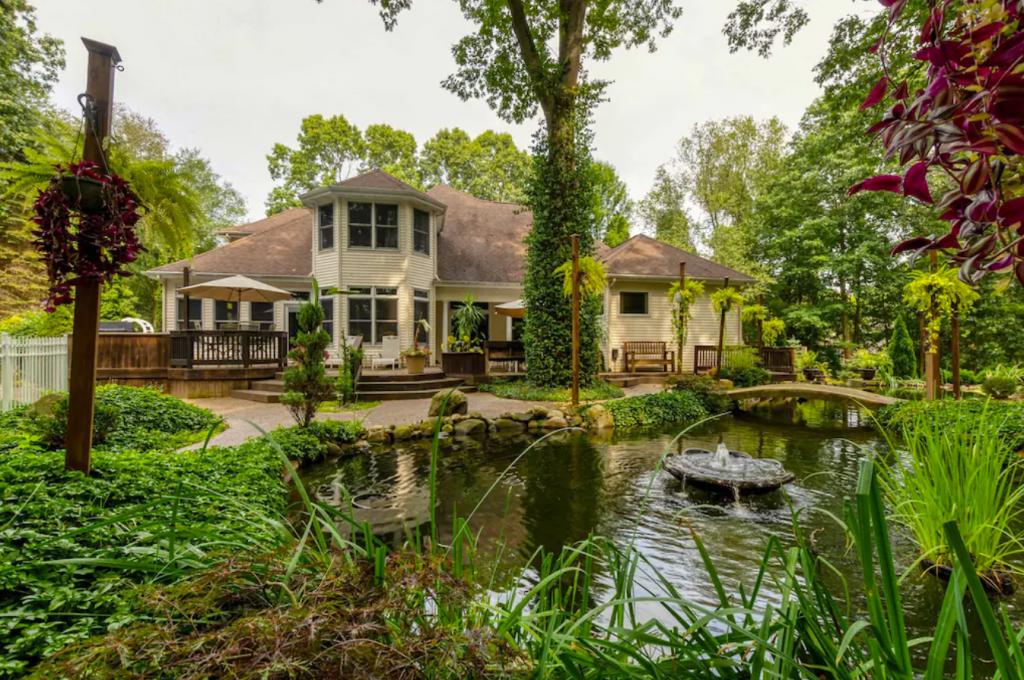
<point>523,391</point>
<point>337,407</point>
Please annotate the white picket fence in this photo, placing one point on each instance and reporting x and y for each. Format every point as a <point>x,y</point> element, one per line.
<point>31,367</point>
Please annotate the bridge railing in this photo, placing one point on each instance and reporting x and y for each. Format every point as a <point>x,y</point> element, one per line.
<point>773,359</point>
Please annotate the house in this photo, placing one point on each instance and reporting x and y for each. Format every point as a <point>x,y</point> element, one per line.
<point>401,255</point>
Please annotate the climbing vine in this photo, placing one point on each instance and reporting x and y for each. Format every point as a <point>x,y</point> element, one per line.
<point>682,298</point>
<point>593,278</point>
<point>946,289</point>
<point>725,299</point>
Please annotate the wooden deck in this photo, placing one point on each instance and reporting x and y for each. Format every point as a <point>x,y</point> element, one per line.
<point>868,400</point>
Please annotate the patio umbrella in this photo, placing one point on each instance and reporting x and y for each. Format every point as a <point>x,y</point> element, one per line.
<point>236,289</point>
<point>515,309</point>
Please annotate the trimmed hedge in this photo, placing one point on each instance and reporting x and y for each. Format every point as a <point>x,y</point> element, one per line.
<point>1009,413</point>
<point>656,410</point>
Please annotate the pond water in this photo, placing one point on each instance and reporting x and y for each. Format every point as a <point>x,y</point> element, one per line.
<point>573,486</point>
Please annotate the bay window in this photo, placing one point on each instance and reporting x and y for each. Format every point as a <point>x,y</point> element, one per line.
<point>326,226</point>
<point>373,225</point>
<point>373,313</point>
<point>421,231</point>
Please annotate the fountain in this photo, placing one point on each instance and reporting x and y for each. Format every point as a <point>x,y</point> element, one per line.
<point>725,469</point>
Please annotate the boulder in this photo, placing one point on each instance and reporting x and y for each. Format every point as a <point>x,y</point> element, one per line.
<point>554,414</point>
<point>44,406</point>
<point>457,403</point>
<point>521,417</point>
<point>534,425</point>
<point>475,415</point>
<point>727,384</point>
<point>538,413</point>
<point>555,423</point>
<point>378,436</point>
<point>427,428</point>
<point>599,418</point>
<point>509,425</point>
<point>471,426</point>
<point>333,449</point>
<point>403,433</point>
<point>447,429</point>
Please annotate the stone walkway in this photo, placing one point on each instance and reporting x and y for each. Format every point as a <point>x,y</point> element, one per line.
<point>269,416</point>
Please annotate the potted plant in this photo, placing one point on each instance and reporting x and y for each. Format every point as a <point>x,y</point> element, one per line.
<point>813,369</point>
<point>463,353</point>
<point>416,356</point>
<point>866,364</point>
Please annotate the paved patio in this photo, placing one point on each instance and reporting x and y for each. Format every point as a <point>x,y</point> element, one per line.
<point>269,416</point>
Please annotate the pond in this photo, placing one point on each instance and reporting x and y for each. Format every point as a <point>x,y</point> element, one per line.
<point>573,486</point>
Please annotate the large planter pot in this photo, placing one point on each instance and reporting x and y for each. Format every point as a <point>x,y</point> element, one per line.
<point>415,365</point>
<point>463,363</point>
<point>996,582</point>
<point>867,373</point>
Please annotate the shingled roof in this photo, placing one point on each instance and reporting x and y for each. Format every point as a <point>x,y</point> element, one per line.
<point>481,240</point>
<point>377,179</point>
<point>282,246</point>
<point>645,256</point>
<point>266,223</point>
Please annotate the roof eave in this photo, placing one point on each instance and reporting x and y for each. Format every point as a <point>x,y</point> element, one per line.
<point>312,198</point>
<point>656,277</point>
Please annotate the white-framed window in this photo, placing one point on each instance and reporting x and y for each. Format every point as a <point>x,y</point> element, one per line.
<point>421,310</point>
<point>262,313</point>
<point>633,304</point>
<point>421,231</point>
<point>373,225</point>
<point>373,313</point>
<point>225,314</point>
<point>327,303</point>
<point>195,313</point>
<point>326,225</point>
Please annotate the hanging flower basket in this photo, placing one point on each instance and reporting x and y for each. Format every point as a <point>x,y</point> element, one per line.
<point>85,229</point>
<point>85,193</point>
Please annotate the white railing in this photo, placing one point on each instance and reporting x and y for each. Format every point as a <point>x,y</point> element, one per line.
<point>31,367</point>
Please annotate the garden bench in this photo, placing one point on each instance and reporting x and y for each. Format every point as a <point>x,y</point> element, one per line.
<point>642,353</point>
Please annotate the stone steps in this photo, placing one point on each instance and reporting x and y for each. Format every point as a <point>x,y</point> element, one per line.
<point>257,395</point>
<point>363,395</point>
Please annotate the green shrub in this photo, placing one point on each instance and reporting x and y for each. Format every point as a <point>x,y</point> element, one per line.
<point>306,382</point>
<point>139,418</point>
<point>524,391</point>
<point>1000,387</point>
<point>656,410</point>
<point>902,351</point>
<point>1008,415</point>
<point>46,606</point>
<point>297,444</point>
<point>967,377</point>
<point>743,368</point>
<point>711,395</point>
<point>336,431</point>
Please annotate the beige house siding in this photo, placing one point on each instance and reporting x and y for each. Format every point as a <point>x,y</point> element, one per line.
<point>325,262</point>
<point>170,321</point>
<point>657,323</point>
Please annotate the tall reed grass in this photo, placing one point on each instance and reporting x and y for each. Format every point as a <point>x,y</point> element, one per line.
<point>957,467</point>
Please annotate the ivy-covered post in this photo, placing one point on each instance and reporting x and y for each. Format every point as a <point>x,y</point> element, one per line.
<point>721,331</point>
<point>82,382</point>
<point>575,239</point>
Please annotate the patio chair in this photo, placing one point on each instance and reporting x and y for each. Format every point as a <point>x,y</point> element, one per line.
<point>389,354</point>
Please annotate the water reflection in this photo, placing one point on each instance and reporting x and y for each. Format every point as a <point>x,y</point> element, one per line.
<point>571,487</point>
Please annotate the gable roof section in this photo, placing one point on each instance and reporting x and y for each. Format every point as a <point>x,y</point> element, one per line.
<point>284,248</point>
<point>377,179</point>
<point>645,256</point>
<point>266,223</point>
<point>481,240</point>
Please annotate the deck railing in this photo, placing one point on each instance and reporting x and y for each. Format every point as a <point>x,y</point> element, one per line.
<point>228,348</point>
<point>773,359</point>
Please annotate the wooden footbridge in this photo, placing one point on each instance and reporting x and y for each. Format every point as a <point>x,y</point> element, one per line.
<point>868,400</point>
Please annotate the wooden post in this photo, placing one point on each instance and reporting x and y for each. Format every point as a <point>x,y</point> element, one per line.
<point>82,385</point>
<point>760,327</point>
<point>932,373</point>
<point>921,344</point>
<point>721,335</point>
<point>682,292</point>
<point>954,342</point>
<point>185,324</point>
<point>575,320</point>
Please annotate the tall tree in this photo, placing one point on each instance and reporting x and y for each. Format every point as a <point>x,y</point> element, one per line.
<point>329,150</point>
<point>724,166</point>
<point>663,211</point>
<point>613,208</point>
<point>391,150</point>
<point>490,166</point>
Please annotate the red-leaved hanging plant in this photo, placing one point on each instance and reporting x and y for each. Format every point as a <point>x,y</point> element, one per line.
<point>965,123</point>
<point>85,237</point>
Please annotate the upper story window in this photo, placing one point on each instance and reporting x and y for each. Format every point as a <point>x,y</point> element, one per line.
<point>373,225</point>
<point>421,231</point>
<point>326,226</point>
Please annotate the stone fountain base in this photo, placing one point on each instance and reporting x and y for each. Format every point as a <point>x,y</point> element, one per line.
<point>741,474</point>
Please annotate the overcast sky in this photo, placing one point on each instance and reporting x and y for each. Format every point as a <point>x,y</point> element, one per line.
<point>233,77</point>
